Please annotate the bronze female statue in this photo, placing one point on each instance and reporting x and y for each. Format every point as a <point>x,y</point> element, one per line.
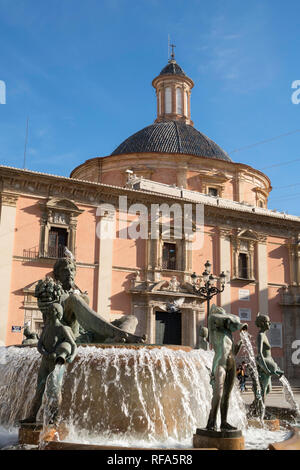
<point>266,365</point>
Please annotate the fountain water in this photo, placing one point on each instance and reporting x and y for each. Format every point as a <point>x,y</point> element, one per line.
<point>289,396</point>
<point>248,348</point>
<point>138,395</point>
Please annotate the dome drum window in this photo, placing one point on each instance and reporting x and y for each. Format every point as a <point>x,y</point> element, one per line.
<point>168,100</point>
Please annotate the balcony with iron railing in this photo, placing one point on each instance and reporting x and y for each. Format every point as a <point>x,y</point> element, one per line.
<point>50,252</point>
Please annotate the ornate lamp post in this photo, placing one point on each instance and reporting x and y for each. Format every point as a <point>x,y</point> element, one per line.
<point>208,289</point>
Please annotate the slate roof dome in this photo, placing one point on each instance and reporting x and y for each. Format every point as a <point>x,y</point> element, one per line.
<point>172,68</point>
<point>171,137</point>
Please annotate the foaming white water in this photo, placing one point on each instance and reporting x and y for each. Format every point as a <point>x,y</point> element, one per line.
<point>18,374</point>
<point>248,348</point>
<point>259,439</point>
<point>126,440</point>
<point>8,437</point>
<point>151,396</point>
<point>289,396</point>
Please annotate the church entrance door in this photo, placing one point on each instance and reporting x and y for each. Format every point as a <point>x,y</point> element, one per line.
<point>168,328</point>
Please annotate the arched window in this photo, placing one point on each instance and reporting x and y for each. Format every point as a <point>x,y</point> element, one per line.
<point>168,100</point>
<point>178,101</point>
<point>159,102</point>
<point>186,103</point>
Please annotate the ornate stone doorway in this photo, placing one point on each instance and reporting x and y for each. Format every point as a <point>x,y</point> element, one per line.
<point>168,311</point>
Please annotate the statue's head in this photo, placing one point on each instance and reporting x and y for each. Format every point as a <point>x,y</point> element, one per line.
<point>215,309</point>
<point>27,331</point>
<point>64,271</point>
<point>203,332</point>
<point>263,322</point>
<point>56,310</point>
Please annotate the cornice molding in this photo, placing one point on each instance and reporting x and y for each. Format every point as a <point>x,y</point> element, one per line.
<point>9,199</point>
<point>44,186</point>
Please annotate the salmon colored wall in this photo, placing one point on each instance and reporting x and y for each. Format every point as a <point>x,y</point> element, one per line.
<point>193,181</point>
<point>229,192</point>
<point>199,257</point>
<point>278,261</point>
<point>115,178</point>
<point>27,229</point>
<point>165,175</point>
<point>128,252</point>
<point>236,303</point>
<point>275,315</point>
<point>23,275</point>
<point>86,239</point>
<point>86,280</point>
<point>120,300</point>
<point>248,195</point>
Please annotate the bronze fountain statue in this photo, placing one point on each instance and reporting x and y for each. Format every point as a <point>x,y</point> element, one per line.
<point>68,320</point>
<point>81,318</point>
<point>266,366</point>
<point>31,337</point>
<point>221,325</point>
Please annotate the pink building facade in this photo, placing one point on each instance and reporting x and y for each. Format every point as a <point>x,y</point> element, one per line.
<point>170,163</point>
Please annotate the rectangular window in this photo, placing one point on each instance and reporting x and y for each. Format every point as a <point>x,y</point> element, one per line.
<point>58,240</point>
<point>213,192</point>
<point>169,256</point>
<point>168,100</point>
<point>178,101</point>
<point>243,265</point>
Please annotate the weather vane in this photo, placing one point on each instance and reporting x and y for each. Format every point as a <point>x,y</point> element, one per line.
<point>172,47</point>
<point>172,53</point>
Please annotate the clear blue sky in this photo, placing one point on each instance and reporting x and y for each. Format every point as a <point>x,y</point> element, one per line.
<point>82,72</point>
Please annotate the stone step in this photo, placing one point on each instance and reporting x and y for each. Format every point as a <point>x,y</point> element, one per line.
<point>276,390</point>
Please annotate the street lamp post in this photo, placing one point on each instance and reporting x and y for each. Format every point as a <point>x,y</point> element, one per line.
<point>208,290</point>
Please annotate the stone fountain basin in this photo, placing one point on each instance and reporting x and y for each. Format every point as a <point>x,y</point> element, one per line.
<point>146,391</point>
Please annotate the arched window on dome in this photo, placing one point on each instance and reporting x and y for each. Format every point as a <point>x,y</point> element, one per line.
<point>178,101</point>
<point>185,103</point>
<point>159,102</point>
<point>168,100</point>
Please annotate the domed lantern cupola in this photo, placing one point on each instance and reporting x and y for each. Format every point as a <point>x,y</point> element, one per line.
<point>173,92</point>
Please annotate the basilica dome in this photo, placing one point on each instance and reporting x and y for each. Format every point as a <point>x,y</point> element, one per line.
<point>171,137</point>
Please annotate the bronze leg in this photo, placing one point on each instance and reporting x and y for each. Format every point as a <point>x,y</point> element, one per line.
<point>44,370</point>
<point>220,375</point>
<point>229,382</point>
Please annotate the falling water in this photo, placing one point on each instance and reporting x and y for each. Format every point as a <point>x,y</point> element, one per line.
<point>122,395</point>
<point>289,396</point>
<point>253,372</point>
<point>53,394</point>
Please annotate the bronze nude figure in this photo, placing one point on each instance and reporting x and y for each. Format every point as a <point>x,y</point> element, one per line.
<point>221,325</point>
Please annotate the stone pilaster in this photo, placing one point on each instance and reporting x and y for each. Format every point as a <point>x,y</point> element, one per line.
<point>181,176</point>
<point>7,235</point>
<point>294,258</point>
<point>193,329</point>
<point>262,268</point>
<point>225,265</point>
<point>150,324</point>
<point>106,234</point>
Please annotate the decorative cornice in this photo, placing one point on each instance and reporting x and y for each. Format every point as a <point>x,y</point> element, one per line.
<point>9,199</point>
<point>41,185</point>
<point>225,232</point>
